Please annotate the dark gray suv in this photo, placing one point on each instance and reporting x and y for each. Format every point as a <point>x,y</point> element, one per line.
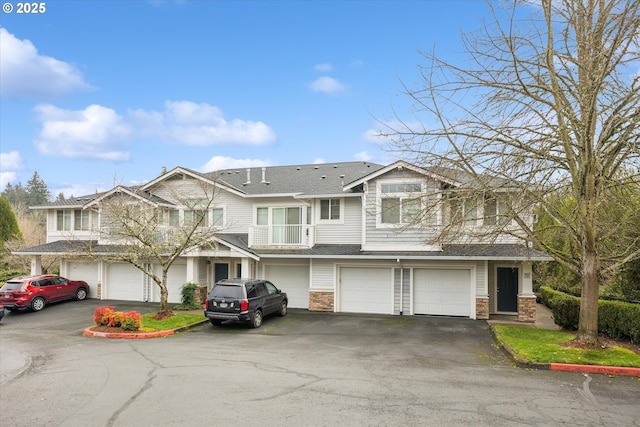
<point>244,300</point>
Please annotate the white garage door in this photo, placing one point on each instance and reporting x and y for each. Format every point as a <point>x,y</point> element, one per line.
<point>442,292</point>
<point>176,278</point>
<point>123,282</point>
<point>292,279</point>
<point>87,272</point>
<point>366,290</point>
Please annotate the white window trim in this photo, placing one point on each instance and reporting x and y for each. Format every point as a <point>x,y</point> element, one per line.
<point>423,193</point>
<point>340,220</point>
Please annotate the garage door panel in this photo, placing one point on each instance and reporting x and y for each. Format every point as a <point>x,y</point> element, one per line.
<point>292,279</point>
<point>366,290</point>
<point>124,282</point>
<point>176,278</point>
<point>442,292</point>
<point>87,272</point>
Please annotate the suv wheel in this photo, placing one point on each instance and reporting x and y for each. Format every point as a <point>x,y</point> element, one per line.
<point>37,304</point>
<point>256,319</point>
<point>283,309</point>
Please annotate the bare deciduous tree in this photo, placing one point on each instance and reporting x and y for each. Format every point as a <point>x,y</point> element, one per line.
<point>155,229</point>
<point>548,102</point>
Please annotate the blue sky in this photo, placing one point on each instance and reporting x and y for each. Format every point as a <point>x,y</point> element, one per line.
<point>97,93</point>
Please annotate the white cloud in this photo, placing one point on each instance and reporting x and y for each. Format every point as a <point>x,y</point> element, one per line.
<point>95,132</point>
<point>319,161</point>
<point>27,73</point>
<point>221,162</point>
<point>323,68</point>
<point>328,85</point>
<point>363,156</point>
<point>185,122</point>
<point>10,163</point>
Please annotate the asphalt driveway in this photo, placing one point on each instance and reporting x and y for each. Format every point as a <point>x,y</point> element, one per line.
<point>306,369</point>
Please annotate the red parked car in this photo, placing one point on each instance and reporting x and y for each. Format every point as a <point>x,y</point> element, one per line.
<point>35,292</point>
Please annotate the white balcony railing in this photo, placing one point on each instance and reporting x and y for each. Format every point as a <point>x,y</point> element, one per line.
<point>298,235</point>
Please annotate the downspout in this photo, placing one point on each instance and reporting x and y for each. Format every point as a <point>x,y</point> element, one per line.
<point>401,287</point>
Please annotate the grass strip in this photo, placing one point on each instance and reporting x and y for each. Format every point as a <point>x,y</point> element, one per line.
<point>534,345</point>
<point>178,320</point>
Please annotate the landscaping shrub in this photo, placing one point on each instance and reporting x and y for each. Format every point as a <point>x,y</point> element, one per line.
<point>616,319</point>
<point>188,298</point>
<point>619,320</point>
<point>107,316</point>
<point>566,311</point>
<point>131,321</point>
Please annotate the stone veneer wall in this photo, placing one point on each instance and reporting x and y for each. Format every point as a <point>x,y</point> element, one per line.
<point>320,301</point>
<point>527,309</point>
<point>99,291</point>
<point>482,308</point>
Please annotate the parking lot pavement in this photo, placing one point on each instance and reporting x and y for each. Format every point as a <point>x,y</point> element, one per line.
<point>306,369</point>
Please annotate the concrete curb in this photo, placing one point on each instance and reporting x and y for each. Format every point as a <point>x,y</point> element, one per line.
<point>567,367</point>
<point>88,332</point>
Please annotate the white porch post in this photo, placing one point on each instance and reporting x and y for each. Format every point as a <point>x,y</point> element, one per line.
<point>527,279</point>
<point>245,267</point>
<point>192,270</point>
<point>36,265</point>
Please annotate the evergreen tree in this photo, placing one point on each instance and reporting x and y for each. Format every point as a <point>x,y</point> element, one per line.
<point>37,191</point>
<point>8,224</point>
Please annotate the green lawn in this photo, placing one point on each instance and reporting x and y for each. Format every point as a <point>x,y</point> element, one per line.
<point>533,345</point>
<point>178,320</point>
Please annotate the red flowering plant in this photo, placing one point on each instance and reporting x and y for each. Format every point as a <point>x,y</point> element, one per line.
<point>131,321</point>
<point>107,316</point>
<point>101,315</point>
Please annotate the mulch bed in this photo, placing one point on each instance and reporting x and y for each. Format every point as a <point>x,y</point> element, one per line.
<point>114,330</point>
<point>605,342</point>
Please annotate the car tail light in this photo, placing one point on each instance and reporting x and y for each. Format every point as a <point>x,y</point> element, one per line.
<point>244,305</point>
<point>206,305</point>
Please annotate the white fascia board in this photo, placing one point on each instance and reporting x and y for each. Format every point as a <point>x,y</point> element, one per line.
<point>193,175</point>
<point>56,207</point>
<point>259,196</point>
<point>117,190</point>
<point>410,257</point>
<point>395,165</point>
<point>327,196</point>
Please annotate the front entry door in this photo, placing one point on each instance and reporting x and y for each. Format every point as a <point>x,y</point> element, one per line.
<point>221,271</point>
<point>507,289</point>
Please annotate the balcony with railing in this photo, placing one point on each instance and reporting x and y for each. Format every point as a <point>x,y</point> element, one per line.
<point>290,236</point>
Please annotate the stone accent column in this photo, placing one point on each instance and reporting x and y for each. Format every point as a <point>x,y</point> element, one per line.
<point>320,301</point>
<point>527,308</point>
<point>482,308</point>
<point>99,291</point>
<point>201,294</point>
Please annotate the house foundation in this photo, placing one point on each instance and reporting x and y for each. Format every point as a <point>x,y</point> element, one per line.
<point>320,301</point>
<point>527,308</point>
<point>482,308</point>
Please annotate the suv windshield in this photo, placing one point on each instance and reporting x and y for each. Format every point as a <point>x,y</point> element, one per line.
<point>12,286</point>
<point>226,291</point>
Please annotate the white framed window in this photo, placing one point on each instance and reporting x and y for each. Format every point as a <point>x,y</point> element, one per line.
<point>73,219</point>
<point>495,212</point>
<point>330,210</point>
<point>217,217</point>
<point>64,220</point>
<point>400,203</point>
<point>81,220</point>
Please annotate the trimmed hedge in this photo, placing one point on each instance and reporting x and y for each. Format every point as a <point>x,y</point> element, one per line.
<point>615,319</point>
